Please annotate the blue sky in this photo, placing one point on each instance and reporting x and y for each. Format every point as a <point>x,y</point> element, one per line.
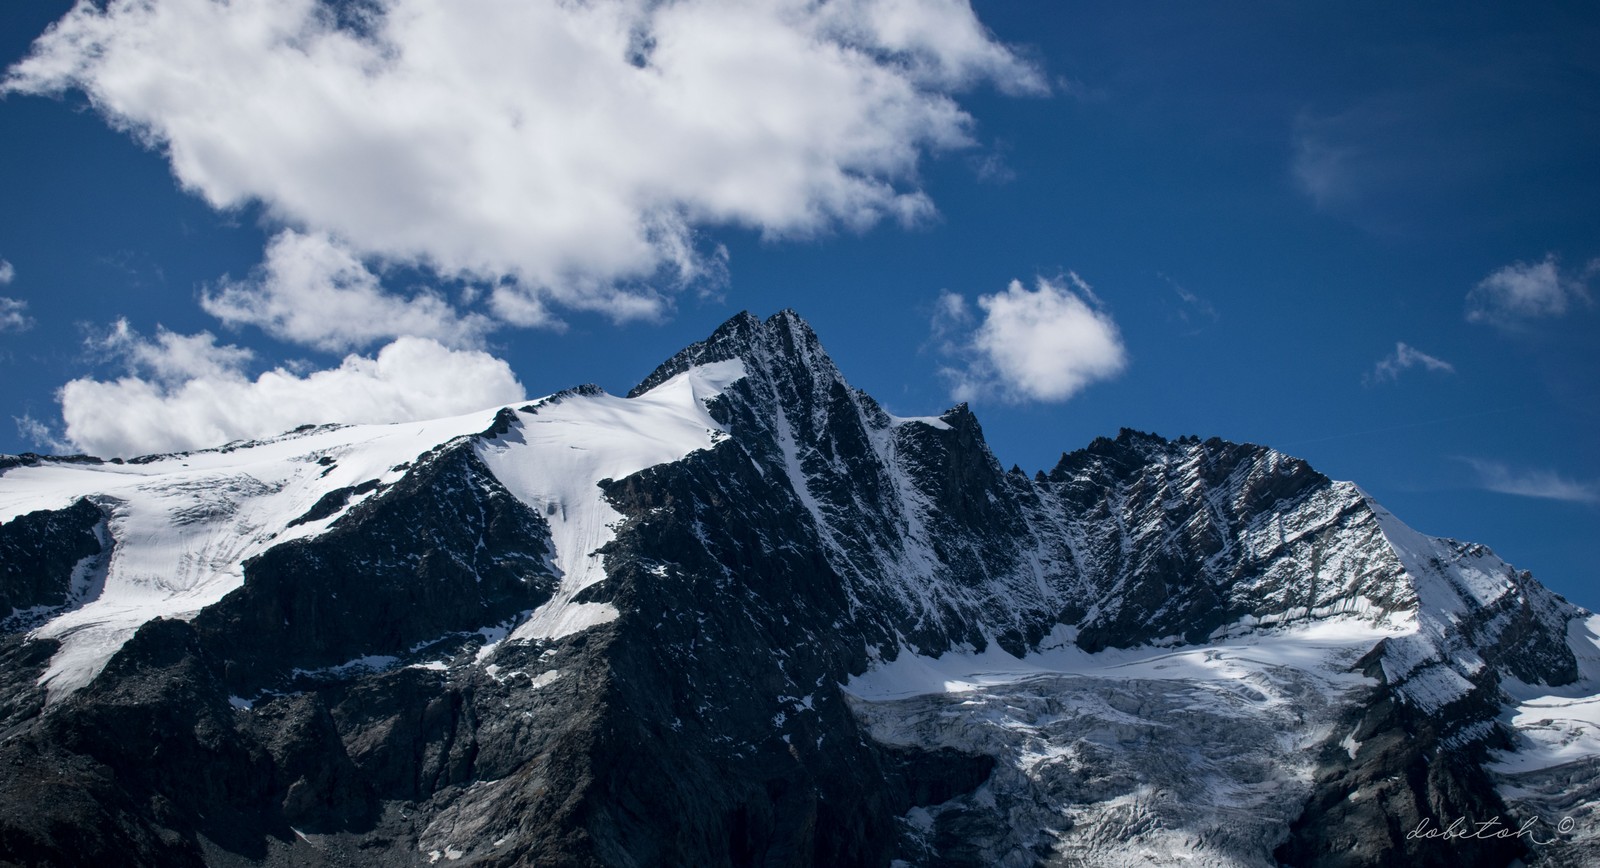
<point>1363,234</point>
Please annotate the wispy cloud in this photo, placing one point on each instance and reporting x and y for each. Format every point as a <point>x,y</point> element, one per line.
<point>991,167</point>
<point>1374,163</point>
<point>39,434</point>
<point>1194,310</point>
<point>1045,344</point>
<point>1495,476</point>
<point>1523,291</point>
<point>13,316</point>
<point>1405,357</point>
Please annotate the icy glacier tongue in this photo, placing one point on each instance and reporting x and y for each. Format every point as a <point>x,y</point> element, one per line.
<point>1126,757</point>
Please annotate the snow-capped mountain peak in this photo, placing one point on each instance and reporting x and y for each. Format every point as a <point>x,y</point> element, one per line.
<point>745,616</point>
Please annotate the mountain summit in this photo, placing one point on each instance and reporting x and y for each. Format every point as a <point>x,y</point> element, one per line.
<point>745,616</point>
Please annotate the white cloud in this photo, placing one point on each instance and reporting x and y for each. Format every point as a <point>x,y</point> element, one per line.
<point>12,315</point>
<point>951,316</point>
<point>8,272</point>
<point>171,358</point>
<point>39,434</point>
<point>1041,345</point>
<point>1522,291</point>
<point>1545,484</point>
<point>1404,357</point>
<point>186,392</point>
<point>565,153</point>
<point>312,291</point>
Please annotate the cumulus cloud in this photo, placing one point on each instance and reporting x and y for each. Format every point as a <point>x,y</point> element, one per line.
<point>1403,358</point>
<point>13,316</point>
<point>187,392</point>
<point>1544,484</point>
<point>1044,344</point>
<point>313,291</point>
<point>1510,296</point>
<point>564,154</point>
<point>8,272</point>
<point>171,358</point>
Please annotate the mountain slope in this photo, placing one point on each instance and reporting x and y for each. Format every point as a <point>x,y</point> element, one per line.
<point>745,616</point>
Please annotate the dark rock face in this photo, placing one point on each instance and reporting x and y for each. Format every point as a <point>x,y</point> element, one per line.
<point>1418,772</point>
<point>22,661</point>
<point>1169,526</point>
<point>134,767</point>
<point>343,706</point>
<point>46,562</point>
<point>447,551</point>
<point>757,756</point>
<point>1408,780</point>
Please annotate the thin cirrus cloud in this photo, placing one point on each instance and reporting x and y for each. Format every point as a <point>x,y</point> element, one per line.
<point>1044,344</point>
<point>1458,124</point>
<point>1374,163</point>
<point>1544,484</point>
<point>568,155</point>
<point>187,392</point>
<point>1405,357</point>
<point>1520,292</point>
<point>1195,312</point>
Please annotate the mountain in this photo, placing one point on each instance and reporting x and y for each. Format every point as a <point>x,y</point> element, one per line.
<point>745,616</point>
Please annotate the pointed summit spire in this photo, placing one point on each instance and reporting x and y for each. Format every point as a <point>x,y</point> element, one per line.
<point>784,339</point>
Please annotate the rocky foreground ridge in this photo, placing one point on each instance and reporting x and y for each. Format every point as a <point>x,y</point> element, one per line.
<point>744,616</point>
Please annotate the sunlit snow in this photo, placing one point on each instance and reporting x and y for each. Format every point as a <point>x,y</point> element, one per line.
<point>184,525</point>
<point>557,453</point>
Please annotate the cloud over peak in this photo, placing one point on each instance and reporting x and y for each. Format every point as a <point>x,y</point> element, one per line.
<point>1045,344</point>
<point>566,154</point>
<point>183,392</point>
